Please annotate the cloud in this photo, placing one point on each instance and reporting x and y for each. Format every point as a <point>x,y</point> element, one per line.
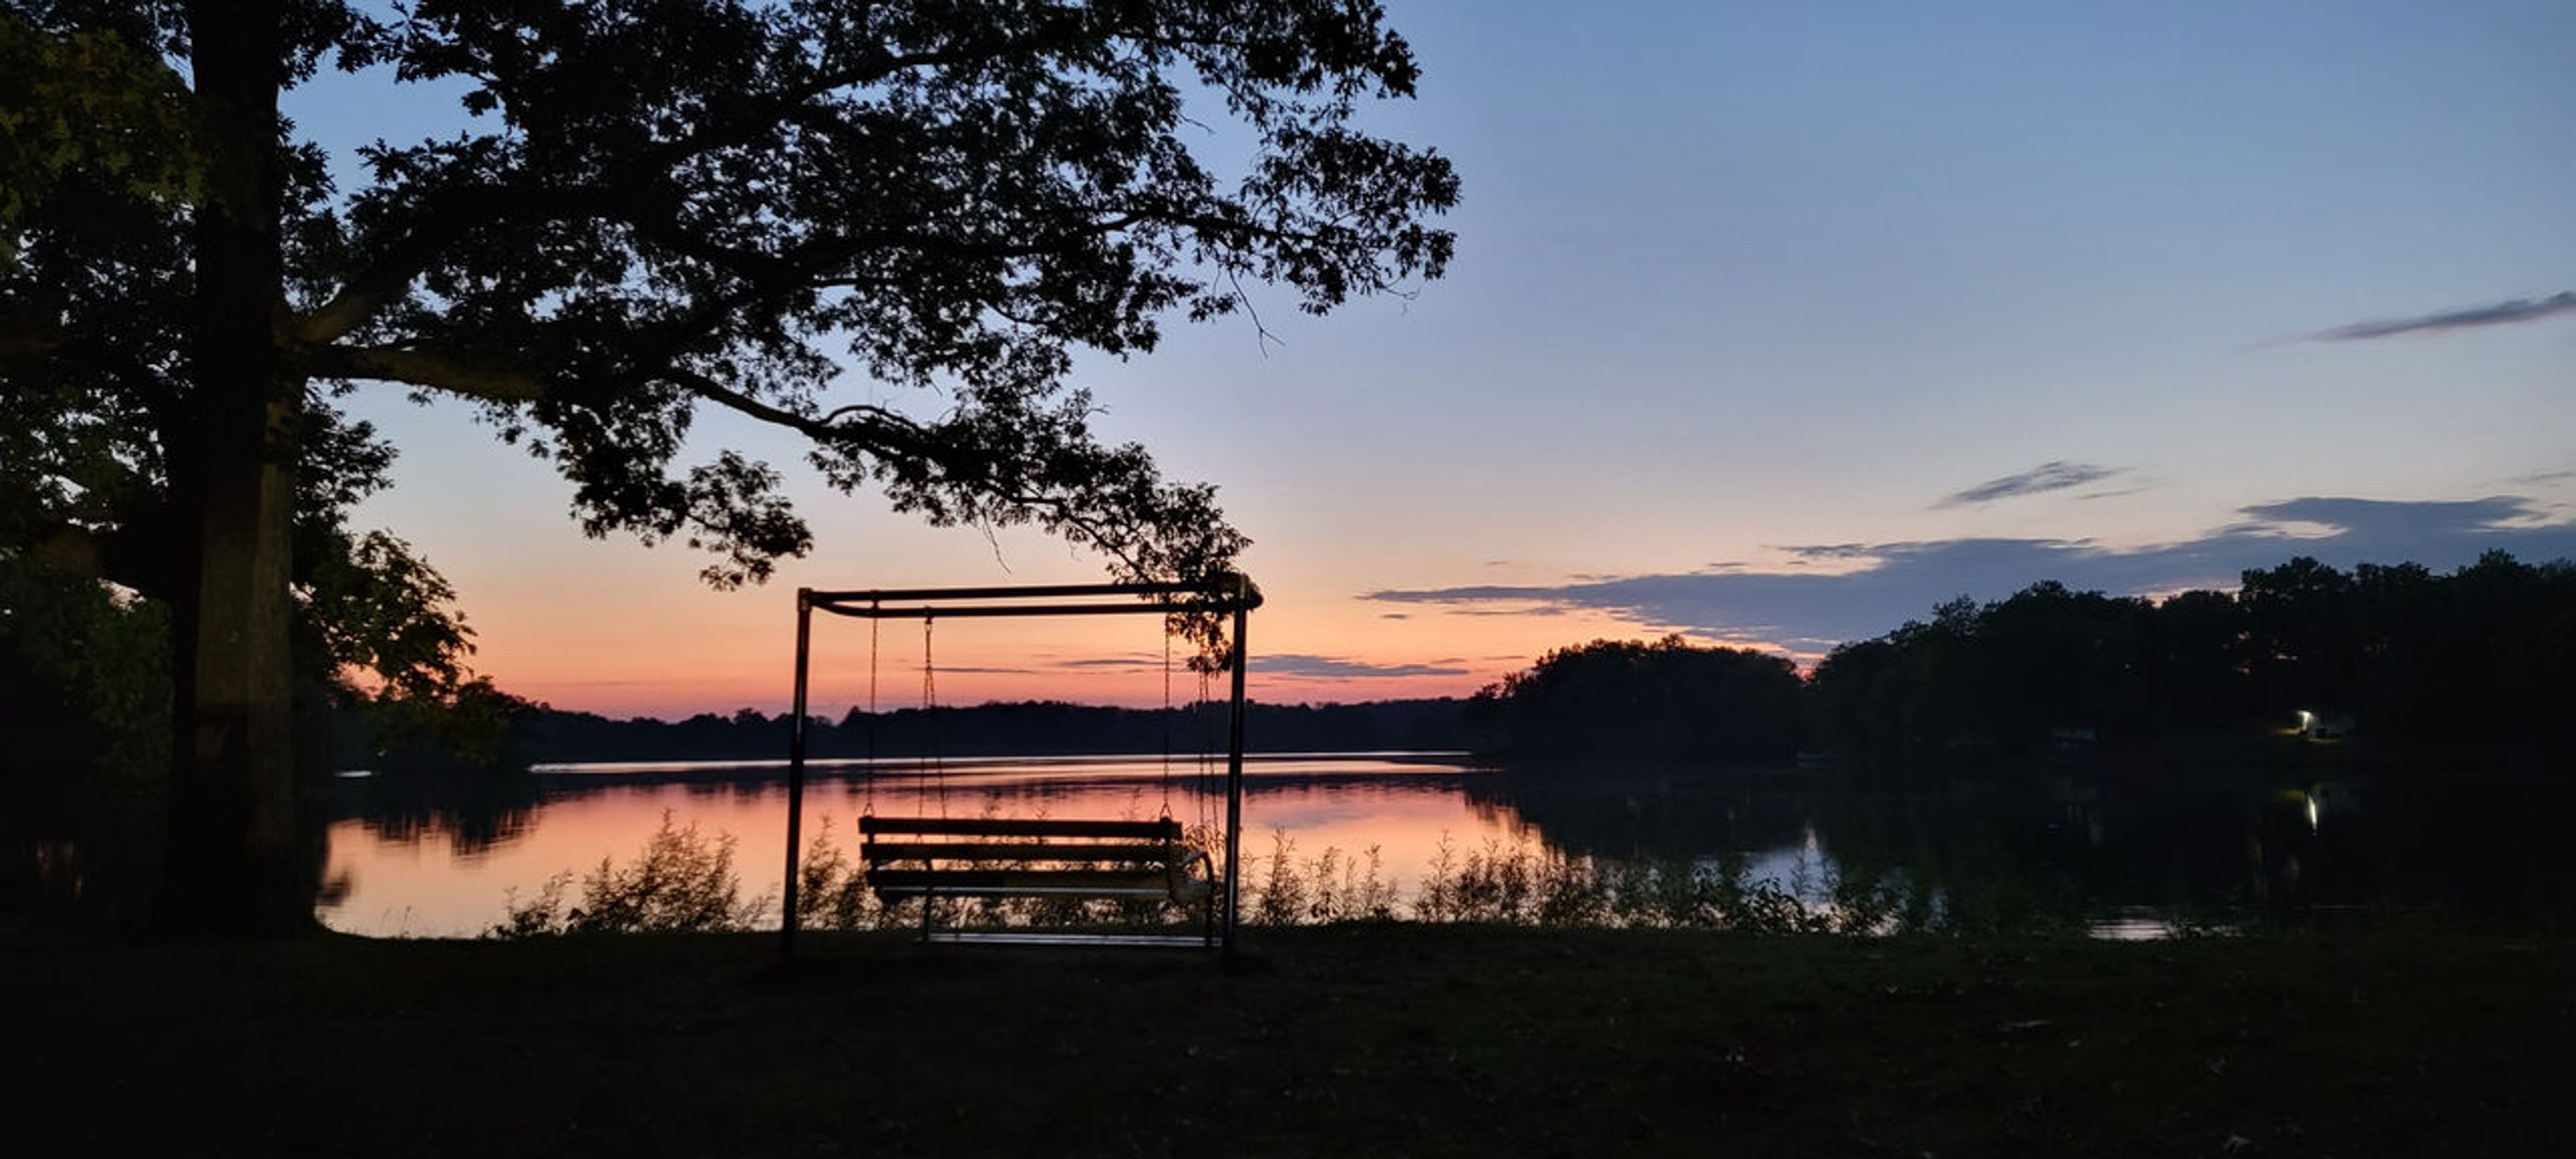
<point>1335,668</point>
<point>1895,582</point>
<point>2500,314</point>
<point>1123,663</point>
<point>1538,611</point>
<point>2056,475</point>
<point>2383,520</point>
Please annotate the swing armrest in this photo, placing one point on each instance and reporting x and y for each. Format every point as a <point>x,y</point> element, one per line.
<point>1182,885</point>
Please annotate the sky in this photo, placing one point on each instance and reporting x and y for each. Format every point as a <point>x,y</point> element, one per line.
<point>1771,325</point>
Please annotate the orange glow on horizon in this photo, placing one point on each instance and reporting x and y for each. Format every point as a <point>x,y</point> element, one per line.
<point>641,636</point>
<point>729,652</point>
<point>1446,656</point>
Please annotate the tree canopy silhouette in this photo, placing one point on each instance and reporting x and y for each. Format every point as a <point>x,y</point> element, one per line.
<point>649,207</point>
<point>1627,700</point>
<point>2472,663</point>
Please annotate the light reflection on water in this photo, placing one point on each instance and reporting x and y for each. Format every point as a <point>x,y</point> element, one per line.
<point>434,873</point>
<point>402,866</point>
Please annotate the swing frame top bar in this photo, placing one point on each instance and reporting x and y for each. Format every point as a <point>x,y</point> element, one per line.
<point>1224,593</point>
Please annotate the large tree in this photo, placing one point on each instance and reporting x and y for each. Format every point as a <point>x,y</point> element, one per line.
<point>649,206</point>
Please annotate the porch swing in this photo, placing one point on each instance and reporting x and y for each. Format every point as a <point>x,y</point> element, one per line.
<point>931,859</point>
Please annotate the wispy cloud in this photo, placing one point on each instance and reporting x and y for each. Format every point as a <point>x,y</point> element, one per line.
<point>1337,668</point>
<point>2499,314</point>
<point>2388,522</point>
<point>1895,582</point>
<point>1119,663</point>
<point>2055,475</point>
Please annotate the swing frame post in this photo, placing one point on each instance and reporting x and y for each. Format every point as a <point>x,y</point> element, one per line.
<point>796,778</point>
<point>1223,593</point>
<point>1234,781</point>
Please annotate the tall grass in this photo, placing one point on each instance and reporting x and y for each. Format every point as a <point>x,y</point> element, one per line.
<point>684,880</point>
<point>1526,884</point>
<point>1329,887</point>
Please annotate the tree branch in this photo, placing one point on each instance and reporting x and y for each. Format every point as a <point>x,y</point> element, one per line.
<point>423,368</point>
<point>443,216</point>
<point>891,432</point>
<point>880,428</point>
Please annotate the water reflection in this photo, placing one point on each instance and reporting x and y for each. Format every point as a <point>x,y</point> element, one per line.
<point>470,814</point>
<point>414,864</point>
<point>2122,858</point>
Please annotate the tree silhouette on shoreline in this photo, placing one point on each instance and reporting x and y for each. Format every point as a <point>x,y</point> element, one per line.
<point>2470,663</point>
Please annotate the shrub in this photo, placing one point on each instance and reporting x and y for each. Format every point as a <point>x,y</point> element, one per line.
<point>682,882</point>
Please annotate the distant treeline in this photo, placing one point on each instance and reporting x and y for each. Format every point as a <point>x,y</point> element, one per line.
<point>1624,702</point>
<point>2395,660</point>
<point>2392,659</point>
<point>535,734</point>
<point>2478,662</point>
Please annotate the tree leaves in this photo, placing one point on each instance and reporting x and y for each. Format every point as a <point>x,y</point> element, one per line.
<point>93,100</point>
<point>653,205</point>
<point>691,202</point>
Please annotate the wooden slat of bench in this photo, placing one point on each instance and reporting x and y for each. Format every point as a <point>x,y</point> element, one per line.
<point>1206,941</point>
<point>1021,882</point>
<point>1155,853</point>
<point>1163,830</point>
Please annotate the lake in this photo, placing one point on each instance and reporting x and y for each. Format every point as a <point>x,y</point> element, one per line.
<point>2117,861</point>
<point>402,866</point>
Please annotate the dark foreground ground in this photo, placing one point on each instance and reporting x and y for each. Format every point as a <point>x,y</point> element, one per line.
<point>1355,1041</point>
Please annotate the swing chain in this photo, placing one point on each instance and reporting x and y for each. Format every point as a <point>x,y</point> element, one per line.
<point>1167,723</point>
<point>1203,709</point>
<point>931,766</point>
<point>869,807</point>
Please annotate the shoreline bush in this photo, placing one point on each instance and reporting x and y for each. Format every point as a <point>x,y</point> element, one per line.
<point>684,881</point>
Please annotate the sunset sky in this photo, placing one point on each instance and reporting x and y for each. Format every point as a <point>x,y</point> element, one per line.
<point>1771,324</point>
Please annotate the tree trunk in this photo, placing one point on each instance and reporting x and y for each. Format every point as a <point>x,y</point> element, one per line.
<point>233,868</point>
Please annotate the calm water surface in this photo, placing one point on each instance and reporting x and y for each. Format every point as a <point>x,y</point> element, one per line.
<point>407,867</point>
<point>400,864</point>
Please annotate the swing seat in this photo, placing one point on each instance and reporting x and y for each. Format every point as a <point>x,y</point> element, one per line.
<point>936,857</point>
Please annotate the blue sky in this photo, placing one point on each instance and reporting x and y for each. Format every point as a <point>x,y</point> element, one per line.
<point>1776,324</point>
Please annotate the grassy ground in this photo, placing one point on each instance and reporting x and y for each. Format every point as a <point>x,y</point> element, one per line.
<point>1354,1040</point>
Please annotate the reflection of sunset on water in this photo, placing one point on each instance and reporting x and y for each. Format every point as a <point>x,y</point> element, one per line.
<point>404,866</point>
<point>402,885</point>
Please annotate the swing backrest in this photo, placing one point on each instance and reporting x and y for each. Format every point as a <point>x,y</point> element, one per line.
<point>911,857</point>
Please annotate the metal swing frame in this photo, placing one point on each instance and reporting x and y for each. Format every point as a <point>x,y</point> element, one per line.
<point>1226,593</point>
